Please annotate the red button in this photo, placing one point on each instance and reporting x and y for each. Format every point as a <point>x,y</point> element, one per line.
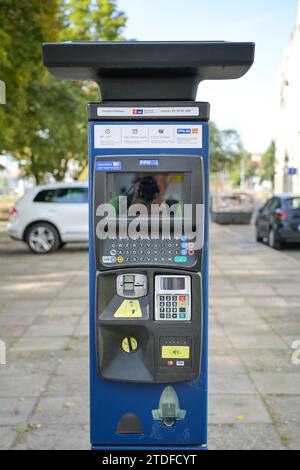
<point>191,252</point>
<point>170,363</point>
<point>182,298</point>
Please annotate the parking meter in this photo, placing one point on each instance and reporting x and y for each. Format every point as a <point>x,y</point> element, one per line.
<point>149,197</point>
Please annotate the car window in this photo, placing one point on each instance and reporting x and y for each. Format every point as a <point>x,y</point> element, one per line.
<point>268,204</point>
<point>276,204</point>
<point>45,196</point>
<point>63,196</point>
<point>292,204</point>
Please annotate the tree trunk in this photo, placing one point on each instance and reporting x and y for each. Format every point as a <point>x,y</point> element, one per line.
<point>34,171</point>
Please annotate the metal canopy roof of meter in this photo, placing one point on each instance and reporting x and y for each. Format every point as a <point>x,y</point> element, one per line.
<point>148,70</point>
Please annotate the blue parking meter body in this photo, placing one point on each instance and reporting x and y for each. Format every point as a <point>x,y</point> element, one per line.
<point>124,396</point>
<point>148,164</point>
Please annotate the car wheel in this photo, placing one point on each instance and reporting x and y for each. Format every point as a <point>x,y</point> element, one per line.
<point>274,240</point>
<point>42,238</point>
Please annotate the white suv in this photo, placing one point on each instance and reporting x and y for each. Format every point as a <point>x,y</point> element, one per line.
<point>47,217</point>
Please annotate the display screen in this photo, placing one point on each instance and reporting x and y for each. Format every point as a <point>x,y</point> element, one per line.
<point>172,283</point>
<point>146,188</point>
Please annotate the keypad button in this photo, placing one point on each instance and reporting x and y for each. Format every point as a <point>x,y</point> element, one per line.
<point>168,297</point>
<point>180,259</point>
<point>161,315</point>
<point>174,315</point>
<point>168,315</point>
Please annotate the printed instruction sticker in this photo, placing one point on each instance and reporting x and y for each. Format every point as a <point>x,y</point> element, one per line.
<point>147,136</point>
<point>156,111</point>
<point>108,165</point>
<point>129,309</point>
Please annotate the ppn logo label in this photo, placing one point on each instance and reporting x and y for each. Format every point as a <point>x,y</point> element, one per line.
<point>184,131</point>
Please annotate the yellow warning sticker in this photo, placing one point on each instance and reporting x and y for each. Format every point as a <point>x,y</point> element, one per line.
<point>129,309</point>
<point>175,352</point>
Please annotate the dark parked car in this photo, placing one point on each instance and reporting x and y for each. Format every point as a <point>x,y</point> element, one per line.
<point>278,221</point>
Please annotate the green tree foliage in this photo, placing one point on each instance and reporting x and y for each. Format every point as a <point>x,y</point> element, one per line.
<point>44,122</point>
<point>245,169</point>
<point>226,149</point>
<point>23,27</point>
<point>267,166</point>
<point>92,20</point>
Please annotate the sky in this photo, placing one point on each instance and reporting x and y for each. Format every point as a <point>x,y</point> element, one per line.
<point>251,104</point>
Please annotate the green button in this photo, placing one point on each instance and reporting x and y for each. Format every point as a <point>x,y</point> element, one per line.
<point>180,259</point>
<point>182,315</point>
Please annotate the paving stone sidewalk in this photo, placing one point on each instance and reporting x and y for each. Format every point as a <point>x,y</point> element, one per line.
<point>254,319</point>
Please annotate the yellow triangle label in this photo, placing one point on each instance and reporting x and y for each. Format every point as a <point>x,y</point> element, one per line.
<point>129,309</point>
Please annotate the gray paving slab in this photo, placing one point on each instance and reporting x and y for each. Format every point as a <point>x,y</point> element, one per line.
<point>230,409</point>
<point>26,344</point>
<point>63,437</point>
<point>28,365</point>
<point>266,360</point>
<point>7,437</point>
<point>58,386</point>
<point>221,363</point>
<point>244,437</point>
<point>22,385</point>
<point>61,410</point>
<point>286,413</point>
<point>56,326</point>
<point>15,410</point>
<point>236,384</point>
<point>277,383</point>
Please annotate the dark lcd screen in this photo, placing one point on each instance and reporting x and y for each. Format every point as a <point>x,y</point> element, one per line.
<point>146,188</point>
<point>173,283</point>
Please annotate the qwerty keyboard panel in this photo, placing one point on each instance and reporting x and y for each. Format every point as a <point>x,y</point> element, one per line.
<point>168,251</point>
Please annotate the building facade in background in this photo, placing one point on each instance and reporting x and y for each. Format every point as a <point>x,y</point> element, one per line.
<point>287,178</point>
